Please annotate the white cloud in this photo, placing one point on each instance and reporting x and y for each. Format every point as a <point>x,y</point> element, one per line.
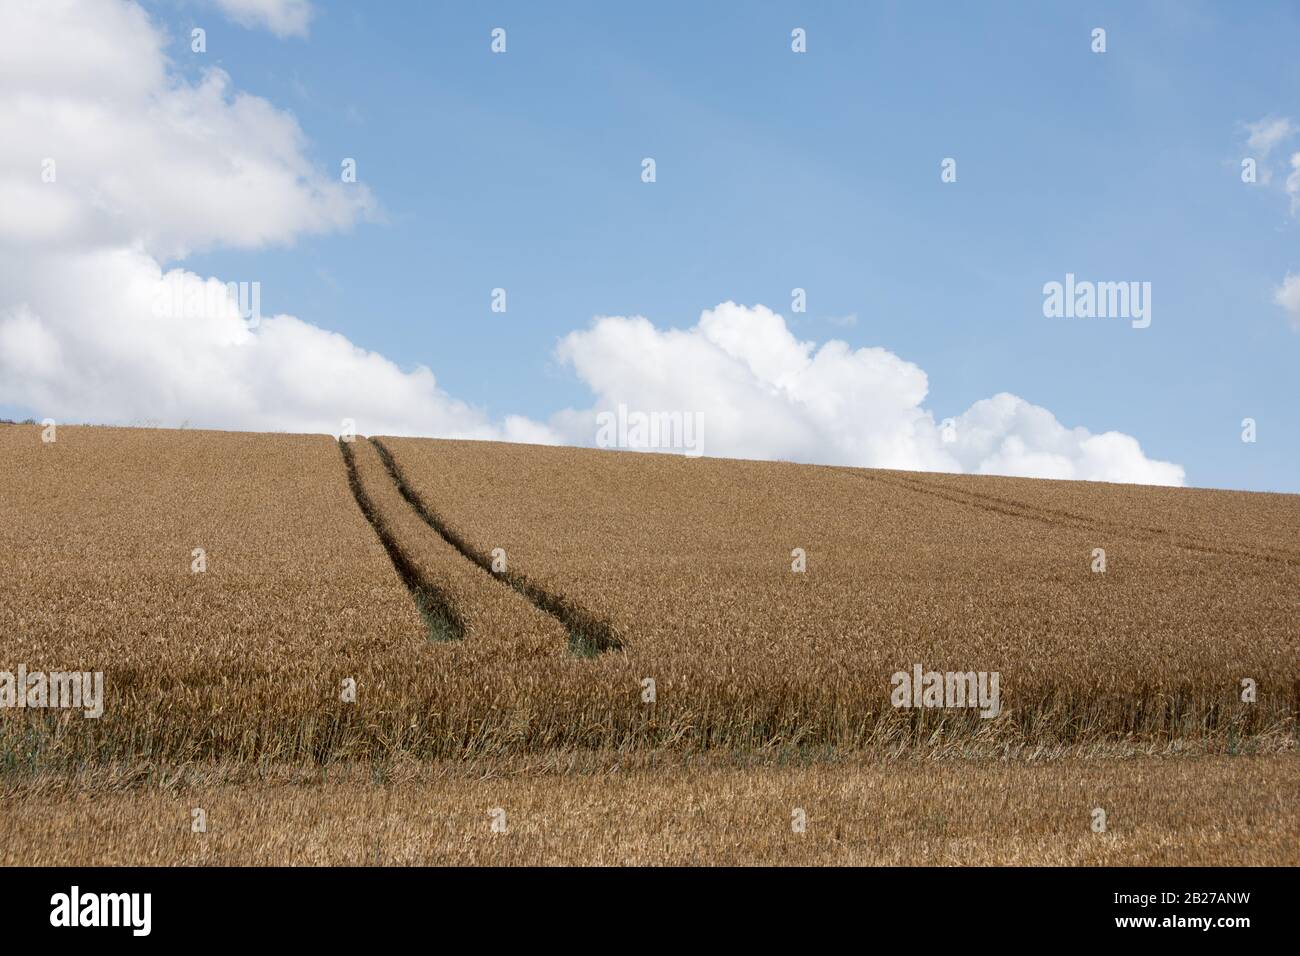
<point>282,17</point>
<point>148,168</point>
<point>110,48</point>
<point>1005,435</point>
<point>1287,295</point>
<point>760,393</point>
<point>1264,136</point>
<point>167,165</point>
<point>1267,133</point>
<point>98,336</point>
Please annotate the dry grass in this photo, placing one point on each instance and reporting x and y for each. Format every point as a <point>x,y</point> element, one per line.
<point>1190,811</point>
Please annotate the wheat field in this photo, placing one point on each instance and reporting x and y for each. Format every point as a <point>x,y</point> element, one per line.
<point>691,560</point>
<point>318,638</point>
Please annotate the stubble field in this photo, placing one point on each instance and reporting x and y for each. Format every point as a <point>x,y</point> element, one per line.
<point>1160,811</point>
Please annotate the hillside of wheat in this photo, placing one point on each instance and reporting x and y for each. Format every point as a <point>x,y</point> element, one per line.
<point>288,630</point>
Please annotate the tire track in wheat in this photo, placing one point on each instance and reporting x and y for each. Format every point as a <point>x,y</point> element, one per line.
<point>588,634</point>
<point>1065,519</point>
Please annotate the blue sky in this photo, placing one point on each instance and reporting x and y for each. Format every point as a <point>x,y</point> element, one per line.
<point>777,170</point>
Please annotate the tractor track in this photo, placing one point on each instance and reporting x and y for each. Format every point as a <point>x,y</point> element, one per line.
<point>589,634</point>
<point>1065,519</point>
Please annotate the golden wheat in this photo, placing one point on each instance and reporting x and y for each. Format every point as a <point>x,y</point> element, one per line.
<point>1158,811</point>
<point>681,568</point>
<point>691,562</point>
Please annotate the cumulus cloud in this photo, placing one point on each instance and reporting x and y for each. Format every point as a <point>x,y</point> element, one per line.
<point>282,17</point>
<point>1006,435</point>
<point>110,167</point>
<point>108,333</point>
<point>758,392</point>
<point>137,157</point>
